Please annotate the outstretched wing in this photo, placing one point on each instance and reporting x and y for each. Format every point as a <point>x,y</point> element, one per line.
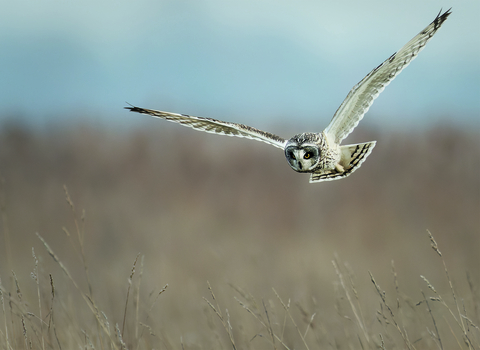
<point>215,126</point>
<point>362,95</point>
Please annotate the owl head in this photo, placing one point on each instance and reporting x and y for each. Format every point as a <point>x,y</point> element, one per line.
<point>303,152</point>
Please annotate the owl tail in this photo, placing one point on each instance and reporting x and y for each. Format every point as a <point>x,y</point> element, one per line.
<point>352,157</point>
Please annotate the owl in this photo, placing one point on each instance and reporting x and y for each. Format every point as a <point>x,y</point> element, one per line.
<point>321,154</point>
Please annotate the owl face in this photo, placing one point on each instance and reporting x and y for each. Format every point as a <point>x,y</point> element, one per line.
<point>302,152</point>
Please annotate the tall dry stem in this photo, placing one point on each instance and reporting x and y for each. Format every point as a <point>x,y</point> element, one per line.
<point>359,320</point>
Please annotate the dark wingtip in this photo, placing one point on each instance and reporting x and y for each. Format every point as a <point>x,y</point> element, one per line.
<point>132,108</point>
<point>441,17</point>
<point>447,13</point>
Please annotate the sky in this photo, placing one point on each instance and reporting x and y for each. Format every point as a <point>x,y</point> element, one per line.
<point>257,62</point>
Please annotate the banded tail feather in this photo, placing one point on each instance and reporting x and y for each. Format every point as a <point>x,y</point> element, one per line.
<point>352,158</point>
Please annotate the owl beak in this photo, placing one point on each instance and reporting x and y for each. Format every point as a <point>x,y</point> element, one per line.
<point>299,164</point>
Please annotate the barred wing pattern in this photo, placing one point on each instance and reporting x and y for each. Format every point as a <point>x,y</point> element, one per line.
<point>362,95</point>
<point>215,126</point>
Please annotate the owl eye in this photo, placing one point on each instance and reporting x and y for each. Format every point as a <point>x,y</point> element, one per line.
<point>307,155</point>
<point>292,155</point>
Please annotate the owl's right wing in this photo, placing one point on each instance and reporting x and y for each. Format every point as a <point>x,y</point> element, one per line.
<point>362,95</point>
<point>215,126</point>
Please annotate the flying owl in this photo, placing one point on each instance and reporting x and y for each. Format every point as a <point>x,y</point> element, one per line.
<point>321,154</point>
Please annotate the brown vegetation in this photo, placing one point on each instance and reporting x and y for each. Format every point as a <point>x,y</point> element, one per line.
<point>231,212</point>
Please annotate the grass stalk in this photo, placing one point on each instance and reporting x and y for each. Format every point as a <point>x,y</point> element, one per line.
<point>436,336</point>
<point>459,317</point>
<point>80,237</point>
<point>225,322</point>
<point>265,325</point>
<point>89,301</point>
<point>382,295</point>
<point>356,313</point>
<point>269,328</point>
<point>287,310</point>
<point>2,300</point>
<point>37,281</point>
<point>137,300</point>
<point>128,293</point>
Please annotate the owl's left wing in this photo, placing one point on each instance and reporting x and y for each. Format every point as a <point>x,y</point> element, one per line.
<point>362,95</point>
<point>215,126</point>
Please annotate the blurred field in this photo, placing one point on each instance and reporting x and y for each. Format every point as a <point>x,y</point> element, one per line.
<point>231,212</point>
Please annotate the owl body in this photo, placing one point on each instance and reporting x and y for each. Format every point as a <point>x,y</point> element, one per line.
<point>325,159</point>
<point>321,154</point>
<point>312,152</point>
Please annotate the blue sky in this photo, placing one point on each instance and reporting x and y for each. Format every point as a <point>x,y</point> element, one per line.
<point>251,61</point>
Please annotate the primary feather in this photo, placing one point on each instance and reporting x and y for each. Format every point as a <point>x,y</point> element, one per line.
<point>362,95</point>
<point>215,126</point>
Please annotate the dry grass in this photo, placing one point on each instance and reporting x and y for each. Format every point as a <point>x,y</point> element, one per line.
<point>275,281</point>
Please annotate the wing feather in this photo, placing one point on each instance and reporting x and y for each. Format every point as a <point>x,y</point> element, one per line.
<point>362,95</point>
<point>215,126</point>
